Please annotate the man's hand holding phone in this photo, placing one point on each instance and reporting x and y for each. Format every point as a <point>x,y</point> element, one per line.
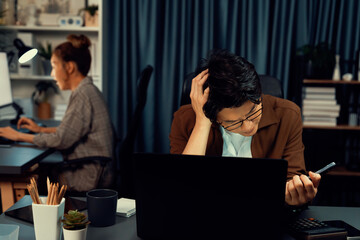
<point>302,189</point>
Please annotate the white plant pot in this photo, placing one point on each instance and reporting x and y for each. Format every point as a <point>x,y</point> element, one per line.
<point>75,234</point>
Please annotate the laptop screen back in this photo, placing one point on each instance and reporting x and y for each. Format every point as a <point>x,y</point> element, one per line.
<point>184,196</point>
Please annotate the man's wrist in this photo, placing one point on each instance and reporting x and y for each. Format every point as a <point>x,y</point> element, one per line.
<point>203,122</point>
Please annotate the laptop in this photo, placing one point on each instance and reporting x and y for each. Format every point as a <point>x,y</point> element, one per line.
<point>208,197</point>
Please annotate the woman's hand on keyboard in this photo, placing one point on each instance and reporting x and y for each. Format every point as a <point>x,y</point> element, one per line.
<point>28,124</point>
<point>9,133</point>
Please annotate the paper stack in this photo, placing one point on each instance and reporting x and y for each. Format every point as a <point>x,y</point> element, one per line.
<point>7,113</point>
<point>59,111</point>
<point>319,106</point>
<point>125,207</point>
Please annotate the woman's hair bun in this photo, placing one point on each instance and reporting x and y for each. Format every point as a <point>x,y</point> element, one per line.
<point>79,41</point>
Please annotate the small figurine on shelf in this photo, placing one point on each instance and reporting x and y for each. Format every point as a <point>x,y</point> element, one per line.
<point>32,15</point>
<point>3,10</point>
<point>336,74</point>
<point>91,16</point>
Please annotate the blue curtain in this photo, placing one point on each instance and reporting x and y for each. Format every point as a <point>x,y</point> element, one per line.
<point>172,36</point>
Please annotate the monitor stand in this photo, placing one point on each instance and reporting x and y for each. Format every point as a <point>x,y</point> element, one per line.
<point>19,111</point>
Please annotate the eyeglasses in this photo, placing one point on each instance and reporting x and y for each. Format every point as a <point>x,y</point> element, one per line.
<point>239,123</point>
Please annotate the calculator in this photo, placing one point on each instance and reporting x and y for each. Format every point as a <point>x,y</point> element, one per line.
<point>310,228</point>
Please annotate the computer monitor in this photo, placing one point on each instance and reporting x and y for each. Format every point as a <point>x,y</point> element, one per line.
<point>6,98</point>
<point>5,89</point>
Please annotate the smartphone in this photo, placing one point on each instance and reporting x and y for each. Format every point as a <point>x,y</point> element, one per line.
<point>326,168</point>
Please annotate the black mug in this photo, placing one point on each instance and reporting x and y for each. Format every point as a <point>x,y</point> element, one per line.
<point>101,205</point>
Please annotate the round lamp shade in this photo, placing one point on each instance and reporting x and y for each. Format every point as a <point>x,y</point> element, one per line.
<point>25,53</point>
<point>28,55</point>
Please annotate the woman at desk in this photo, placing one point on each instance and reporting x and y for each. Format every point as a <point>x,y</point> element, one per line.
<point>231,117</point>
<point>85,132</point>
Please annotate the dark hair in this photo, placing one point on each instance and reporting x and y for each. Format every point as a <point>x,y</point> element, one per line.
<point>76,49</point>
<point>232,82</point>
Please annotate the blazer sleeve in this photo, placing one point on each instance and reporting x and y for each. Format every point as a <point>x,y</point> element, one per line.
<point>181,128</point>
<point>294,148</point>
<point>74,126</point>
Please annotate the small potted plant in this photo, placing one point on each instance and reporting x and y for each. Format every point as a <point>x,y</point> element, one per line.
<point>2,12</point>
<point>41,98</point>
<point>319,60</point>
<point>75,225</point>
<point>91,16</point>
<point>46,53</point>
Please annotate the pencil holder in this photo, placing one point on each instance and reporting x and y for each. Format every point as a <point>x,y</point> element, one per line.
<point>47,220</point>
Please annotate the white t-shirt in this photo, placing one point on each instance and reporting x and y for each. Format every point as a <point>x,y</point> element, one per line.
<point>235,145</point>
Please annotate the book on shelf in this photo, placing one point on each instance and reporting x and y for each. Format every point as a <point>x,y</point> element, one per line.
<point>7,113</point>
<point>319,123</point>
<point>319,96</point>
<point>314,107</point>
<point>330,90</point>
<point>320,113</point>
<point>319,102</point>
<point>310,118</point>
<point>59,111</point>
<point>94,71</point>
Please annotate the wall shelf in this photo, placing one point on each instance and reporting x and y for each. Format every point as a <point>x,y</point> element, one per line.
<point>338,127</point>
<point>30,77</point>
<point>342,171</point>
<point>325,81</point>
<point>49,29</point>
<point>40,77</point>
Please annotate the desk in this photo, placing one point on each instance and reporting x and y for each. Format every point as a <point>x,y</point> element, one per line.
<point>17,159</point>
<point>125,228</point>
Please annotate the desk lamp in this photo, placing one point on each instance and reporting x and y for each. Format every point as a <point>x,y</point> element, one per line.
<point>25,53</point>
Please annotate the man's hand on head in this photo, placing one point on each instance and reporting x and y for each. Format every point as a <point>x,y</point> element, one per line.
<point>199,96</point>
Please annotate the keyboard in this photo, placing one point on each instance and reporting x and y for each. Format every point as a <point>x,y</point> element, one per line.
<point>23,130</point>
<point>5,141</point>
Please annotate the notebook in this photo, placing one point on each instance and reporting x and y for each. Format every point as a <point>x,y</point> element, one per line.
<point>125,207</point>
<point>203,197</point>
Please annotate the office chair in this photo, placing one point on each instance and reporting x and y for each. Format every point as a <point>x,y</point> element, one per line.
<point>126,147</point>
<point>269,85</point>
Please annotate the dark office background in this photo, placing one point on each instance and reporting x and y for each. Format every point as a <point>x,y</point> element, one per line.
<point>172,35</point>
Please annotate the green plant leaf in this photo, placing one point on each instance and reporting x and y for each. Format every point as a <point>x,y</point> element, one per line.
<point>74,220</point>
